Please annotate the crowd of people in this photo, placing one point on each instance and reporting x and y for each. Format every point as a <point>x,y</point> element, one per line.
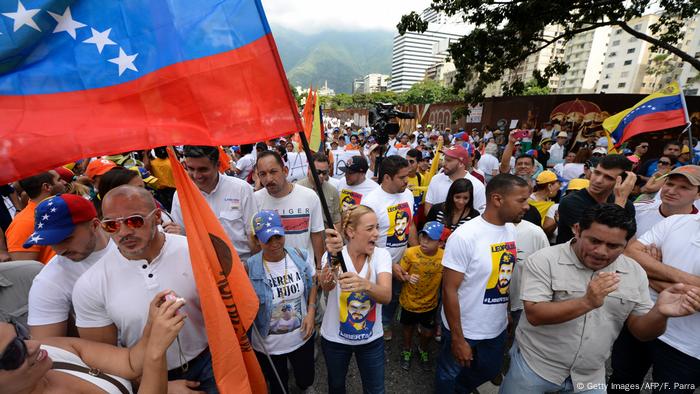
<point>529,256</point>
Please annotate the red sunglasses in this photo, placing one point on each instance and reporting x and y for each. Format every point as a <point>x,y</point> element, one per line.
<point>133,222</point>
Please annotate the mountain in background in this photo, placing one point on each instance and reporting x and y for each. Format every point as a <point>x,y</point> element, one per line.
<point>334,56</point>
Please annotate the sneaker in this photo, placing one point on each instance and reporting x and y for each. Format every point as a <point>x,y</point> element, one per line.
<point>424,360</point>
<point>406,360</point>
<point>388,335</point>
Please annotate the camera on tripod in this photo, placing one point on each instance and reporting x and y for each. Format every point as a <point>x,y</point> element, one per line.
<point>380,119</point>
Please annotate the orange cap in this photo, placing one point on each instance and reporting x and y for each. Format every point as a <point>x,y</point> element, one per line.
<point>98,167</point>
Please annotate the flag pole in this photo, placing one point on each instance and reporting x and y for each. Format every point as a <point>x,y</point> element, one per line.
<point>689,126</point>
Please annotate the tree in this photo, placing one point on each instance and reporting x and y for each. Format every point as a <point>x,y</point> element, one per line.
<point>506,32</point>
<point>428,92</point>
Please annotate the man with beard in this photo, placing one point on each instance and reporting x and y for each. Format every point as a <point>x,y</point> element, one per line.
<point>474,320</point>
<point>69,225</point>
<point>457,160</point>
<point>112,298</point>
<point>611,182</point>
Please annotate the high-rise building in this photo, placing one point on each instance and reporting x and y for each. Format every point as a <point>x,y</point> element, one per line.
<point>584,54</point>
<point>373,83</point>
<point>413,52</point>
<point>689,76</point>
<point>358,85</point>
<point>325,90</point>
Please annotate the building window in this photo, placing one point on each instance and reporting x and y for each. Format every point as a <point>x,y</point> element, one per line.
<point>697,55</point>
<point>689,81</point>
<point>624,74</point>
<point>637,26</point>
<point>610,65</point>
<point>618,31</point>
<point>604,86</point>
<point>613,54</point>
<point>631,50</point>
<point>616,43</point>
<point>632,39</point>
<point>627,62</point>
<point>621,85</point>
<point>607,76</point>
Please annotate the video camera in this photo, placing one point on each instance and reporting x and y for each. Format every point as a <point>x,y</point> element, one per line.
<point>380,119</point>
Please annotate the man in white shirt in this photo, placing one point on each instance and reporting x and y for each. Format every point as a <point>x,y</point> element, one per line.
<point>457,160</point>
<point>231,199</point>
<point>112,298</point>
<point>479,260</point>
<point>67,223</point>
<point>547,131</point>
<point>678,194</point>
<point>299,206</point>
<point>556,152</point>
<point>489,162</point>
<point>355,185</point>
<point>668,252</point>
<point>392,202</point>
<point>245,165</point>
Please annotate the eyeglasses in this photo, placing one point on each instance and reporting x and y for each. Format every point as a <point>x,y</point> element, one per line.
<point>133,222</point>
<point>15,352</point>
<point>666,163</point>
<point>322,172</point>
<point>643,146</point>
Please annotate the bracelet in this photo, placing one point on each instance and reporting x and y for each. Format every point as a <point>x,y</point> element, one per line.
<point>311,305</point>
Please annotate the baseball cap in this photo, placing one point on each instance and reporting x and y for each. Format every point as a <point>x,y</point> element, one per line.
<point>545,140</point>
<point>546,176</point>
<point>433,230</point>
<point>457,152</point>
<point>267,224</point>
<point>98,167</point>
<point>56,218</point>
<point>578,184</point>
<point>65,174</point>
<point>690,172</point>
<point>562,134</point>
<point>353,165</point>
<point>601,150</point>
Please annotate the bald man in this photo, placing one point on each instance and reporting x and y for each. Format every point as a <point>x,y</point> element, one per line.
<point>112,297</point>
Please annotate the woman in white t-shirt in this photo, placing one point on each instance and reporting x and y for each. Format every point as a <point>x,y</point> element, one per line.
<point>352,321</point>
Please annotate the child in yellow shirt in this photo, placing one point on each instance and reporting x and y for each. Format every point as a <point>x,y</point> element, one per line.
<point>419,294</point>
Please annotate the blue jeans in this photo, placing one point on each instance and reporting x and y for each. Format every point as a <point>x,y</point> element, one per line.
<point>199,370</point>
<point>370,362</point>
<point>389,310</point>
<point>520,379</point>
<point>450,377</point>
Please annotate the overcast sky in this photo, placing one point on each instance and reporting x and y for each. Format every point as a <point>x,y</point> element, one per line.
<point>315,15</point>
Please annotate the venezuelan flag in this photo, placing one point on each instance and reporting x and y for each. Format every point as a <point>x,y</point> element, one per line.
<point>658,111</point>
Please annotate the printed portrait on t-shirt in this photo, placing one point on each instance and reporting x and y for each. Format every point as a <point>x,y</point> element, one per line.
<point>349,198</point>
<point>357,315</point>
<point>399,225</point>
<point>286,317</point>
<point>503,258</point>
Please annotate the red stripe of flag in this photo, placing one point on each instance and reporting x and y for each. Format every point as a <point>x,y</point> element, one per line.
<point>653,122</point>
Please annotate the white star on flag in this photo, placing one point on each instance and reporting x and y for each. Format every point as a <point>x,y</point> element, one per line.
<point>66,23</point>
<point>53,210</point>
<point>124,61</point>
<point>100,39</point>
<point>50,202</point>
<point>276,231</point>
<point>268,224</point>
<point>35,239</point>
<point>23,17</point>
<point>40,225</point>
<point>45,217</point>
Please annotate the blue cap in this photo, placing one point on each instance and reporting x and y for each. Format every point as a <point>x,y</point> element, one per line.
<point>433,230</point>
<point>56,217</point>
<point>266,224</point>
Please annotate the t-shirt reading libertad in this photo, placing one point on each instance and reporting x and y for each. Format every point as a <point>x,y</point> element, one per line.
<point>394,213</point>
<point>486,254</point>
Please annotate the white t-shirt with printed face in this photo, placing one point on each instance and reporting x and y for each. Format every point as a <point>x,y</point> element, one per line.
<point>486,254</point>
<point>355,318</point>
<point>678,236</point>
<point>288,307</point>
<point>50,298</point>
<point>353,195</point>
<point>440,185</point>
<point>394,216</point>
<point>529,239</point>
<point>233,203</point>
<point>301,215</point>
<point>118,291</point>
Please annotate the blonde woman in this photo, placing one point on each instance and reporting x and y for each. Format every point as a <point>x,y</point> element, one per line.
<point>352,322</point>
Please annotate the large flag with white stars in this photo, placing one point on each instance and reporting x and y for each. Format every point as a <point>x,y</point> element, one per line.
<point>83,78</point>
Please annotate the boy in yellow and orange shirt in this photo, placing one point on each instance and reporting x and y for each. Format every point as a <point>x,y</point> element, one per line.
<point>419,294</point>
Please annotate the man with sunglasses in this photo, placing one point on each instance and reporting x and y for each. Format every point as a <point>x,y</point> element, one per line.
<point>111,298</point>
<point>231,199</point>
<point>330,193</point>
<point>68,224</point>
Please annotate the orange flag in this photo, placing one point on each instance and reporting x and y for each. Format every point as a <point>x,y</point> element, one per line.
<point>224,160</point>
<point>307,117</point>
<point>229,304</point>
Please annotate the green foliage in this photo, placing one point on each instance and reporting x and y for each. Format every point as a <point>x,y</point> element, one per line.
<point>425,92</point>
<point>506,32</point>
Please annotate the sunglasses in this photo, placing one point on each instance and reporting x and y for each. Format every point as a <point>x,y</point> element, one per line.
<point>666,163</point>
<point>133,222</point>
<point>15,353</point>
